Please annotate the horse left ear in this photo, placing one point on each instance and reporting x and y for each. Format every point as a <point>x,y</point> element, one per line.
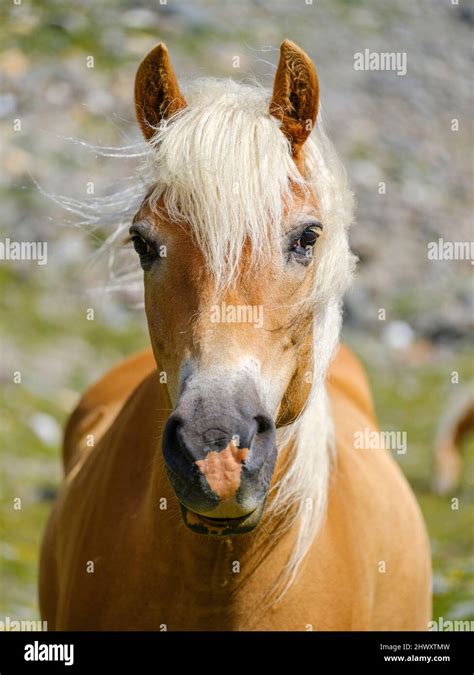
<point>157,94</point>
<point>295,95</point>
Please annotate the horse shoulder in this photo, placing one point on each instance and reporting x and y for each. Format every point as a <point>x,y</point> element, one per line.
<point>100,404</point>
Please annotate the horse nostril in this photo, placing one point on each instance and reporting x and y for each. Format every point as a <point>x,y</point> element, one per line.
<point>172,441</point>
<point>184,443</point>
<point>171,429</point>
<point>264,424</point>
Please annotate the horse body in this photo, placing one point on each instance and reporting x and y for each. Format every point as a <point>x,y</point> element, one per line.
<point>230,494</point>
<point>368,568</point>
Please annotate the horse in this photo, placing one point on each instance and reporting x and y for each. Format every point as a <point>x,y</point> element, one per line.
<point>213,482</point>
<point>456,423</point>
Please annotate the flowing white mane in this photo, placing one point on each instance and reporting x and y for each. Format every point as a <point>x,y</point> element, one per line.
<point>223,166</point>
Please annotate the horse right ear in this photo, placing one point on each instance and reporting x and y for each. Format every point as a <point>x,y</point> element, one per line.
<point>157,95</point>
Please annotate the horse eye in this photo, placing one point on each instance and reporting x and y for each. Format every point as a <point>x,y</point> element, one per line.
<point>141,246</point>
<point>308,238</point>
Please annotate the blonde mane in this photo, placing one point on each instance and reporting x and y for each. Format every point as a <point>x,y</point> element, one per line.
<point>223,166</point>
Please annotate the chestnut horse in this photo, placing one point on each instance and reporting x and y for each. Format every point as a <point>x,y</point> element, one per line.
<point>216,483</point>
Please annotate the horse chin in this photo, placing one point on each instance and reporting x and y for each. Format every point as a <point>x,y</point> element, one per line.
<point>221,527</point>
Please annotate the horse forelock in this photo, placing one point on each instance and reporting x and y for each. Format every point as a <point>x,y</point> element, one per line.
<point>223,166</point>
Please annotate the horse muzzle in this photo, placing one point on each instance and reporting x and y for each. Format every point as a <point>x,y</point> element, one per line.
<point>220,456</point>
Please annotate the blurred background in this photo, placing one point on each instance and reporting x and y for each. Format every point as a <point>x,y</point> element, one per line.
<point>388,129</point>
